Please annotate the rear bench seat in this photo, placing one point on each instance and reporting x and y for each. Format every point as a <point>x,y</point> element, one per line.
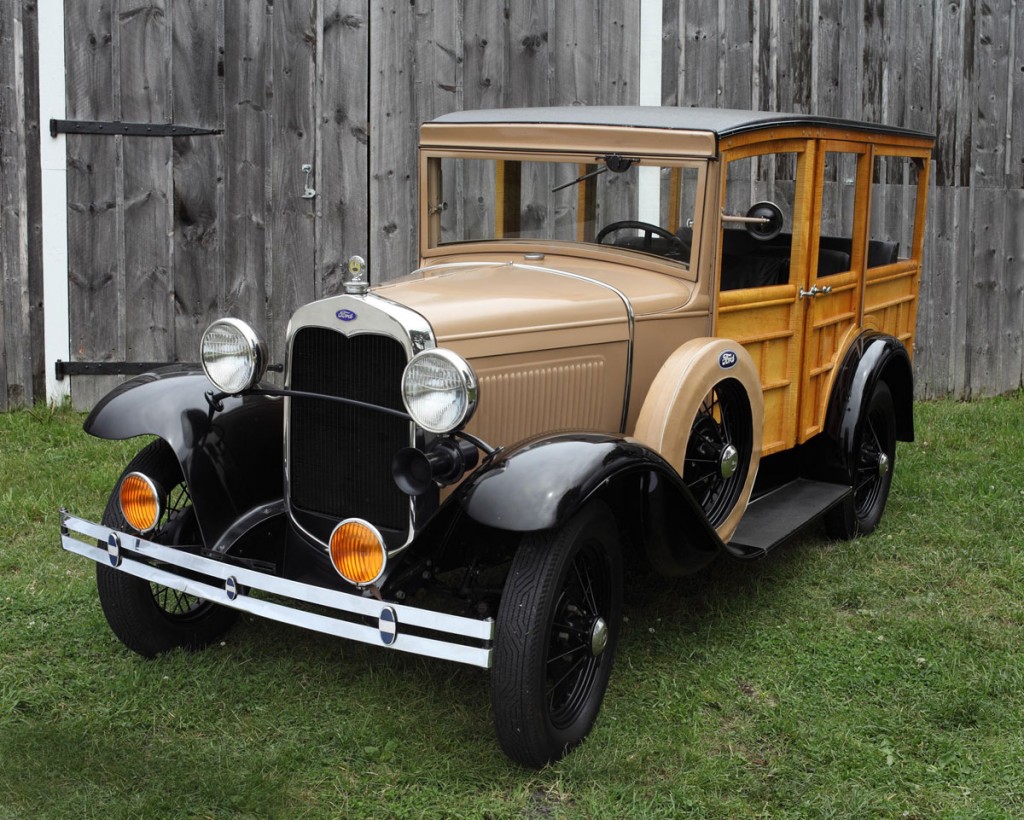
<point>749,263</point>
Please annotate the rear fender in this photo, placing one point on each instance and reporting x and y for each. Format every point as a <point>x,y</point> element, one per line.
<point>873,357</point>
<point>231,459</point>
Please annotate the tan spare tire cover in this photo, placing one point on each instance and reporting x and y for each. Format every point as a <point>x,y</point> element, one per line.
<point>676,395</point>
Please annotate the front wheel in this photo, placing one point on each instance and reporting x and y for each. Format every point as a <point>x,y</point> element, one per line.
<point>146,617</point>
<point>556,633</point>
<point>872,472</point>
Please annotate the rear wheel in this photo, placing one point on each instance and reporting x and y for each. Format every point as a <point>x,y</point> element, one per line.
<point>146,617</point>
<point>556,633</point>
<point>872,472</point>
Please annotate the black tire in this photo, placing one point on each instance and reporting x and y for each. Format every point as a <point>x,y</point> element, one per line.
<point>872,473</point>
<point>556,632</point>
<point>718,451</point>
<point>148,618</point>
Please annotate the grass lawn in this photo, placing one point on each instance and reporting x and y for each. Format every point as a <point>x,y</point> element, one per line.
<point>878,678</point>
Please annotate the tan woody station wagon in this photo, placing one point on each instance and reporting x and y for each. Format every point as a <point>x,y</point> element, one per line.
<point>637,337</point>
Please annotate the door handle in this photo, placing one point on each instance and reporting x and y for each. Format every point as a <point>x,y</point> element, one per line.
<point>815,291</point>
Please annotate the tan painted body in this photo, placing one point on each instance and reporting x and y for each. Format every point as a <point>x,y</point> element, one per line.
<point>546,325</point>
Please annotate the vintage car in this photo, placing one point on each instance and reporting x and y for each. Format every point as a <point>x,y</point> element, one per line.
<point>638,338</point>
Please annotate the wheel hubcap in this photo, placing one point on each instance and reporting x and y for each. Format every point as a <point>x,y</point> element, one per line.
<point>883,465</point>
<point>598,636</point>
<point>728,461</point>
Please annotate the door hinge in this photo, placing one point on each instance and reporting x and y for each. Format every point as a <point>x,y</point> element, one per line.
<point>128,129</point>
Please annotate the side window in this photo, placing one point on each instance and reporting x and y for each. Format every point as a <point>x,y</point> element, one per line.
<point>893,209</point>
<point>838,203</point>
<point>750,257</point>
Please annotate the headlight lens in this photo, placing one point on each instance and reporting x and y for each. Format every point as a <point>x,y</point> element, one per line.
<point>140,502</point>
<point>439,389</point>
<point>234,355</point>
<point>358,552</point>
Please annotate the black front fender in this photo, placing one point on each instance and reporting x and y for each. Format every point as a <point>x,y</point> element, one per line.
<point>543,482</point>
<point>232,459</point>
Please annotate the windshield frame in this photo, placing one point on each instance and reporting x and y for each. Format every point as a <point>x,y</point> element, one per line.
<point>430,209</point>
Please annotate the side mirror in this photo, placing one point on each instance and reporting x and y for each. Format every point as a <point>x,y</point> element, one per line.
<point>764,221</point>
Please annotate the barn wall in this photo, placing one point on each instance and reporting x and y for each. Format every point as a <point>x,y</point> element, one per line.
<point>166,234</point>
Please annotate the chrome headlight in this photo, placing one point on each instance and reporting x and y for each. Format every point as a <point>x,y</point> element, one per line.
<point>234,356</point>
<point>439,390</point>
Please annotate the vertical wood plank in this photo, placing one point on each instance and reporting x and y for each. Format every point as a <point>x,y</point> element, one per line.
<point>921,55</point>
<point>737,58</point>
<point>393,130</point>
<point>197,54</point>
<point>828,67</point>
<point>617,78</point>
<point>529,76</point>
<point>874,61</point>
<point>343,174</point>
<point>145,75</point>
<point>572,62</point>
<point>292,236</point>
<point>986,291</point>
<point>246,131</point>
<point>794,61</point>
<point>1015,99</point>
<point>486,48</point>
<point>968,91</point>
<point>699,66</point>
<point>1010,344</point>
<point>95,263</point>
<point>990,126</point>
<point>947,92</point>
<point>33,200</point>
<point>16,356</point>
<point>895,48</point>
<point>851,59</point>
<point>763,94</point>
<point>673,23</point>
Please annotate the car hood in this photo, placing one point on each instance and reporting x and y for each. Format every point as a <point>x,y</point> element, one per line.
<point>482,309</point>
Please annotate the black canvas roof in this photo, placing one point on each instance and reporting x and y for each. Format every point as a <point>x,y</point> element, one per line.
<point>722,122</point>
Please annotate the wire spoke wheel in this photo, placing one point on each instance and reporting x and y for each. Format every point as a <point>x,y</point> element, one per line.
<point>556,632</point>
<point>150,618</point>
<point>718,451</point>
<point>871,474</point>
<point>572,665</point>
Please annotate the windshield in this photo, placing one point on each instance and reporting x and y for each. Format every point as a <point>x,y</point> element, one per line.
<point>612,200</point>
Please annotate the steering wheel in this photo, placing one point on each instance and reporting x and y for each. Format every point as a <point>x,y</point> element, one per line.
<point>650,230</point>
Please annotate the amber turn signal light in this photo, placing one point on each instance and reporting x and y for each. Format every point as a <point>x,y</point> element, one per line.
<point>358,552</point>
<point>140,502</point>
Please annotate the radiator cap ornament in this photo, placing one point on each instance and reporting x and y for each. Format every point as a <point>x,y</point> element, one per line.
<point>357,280</point>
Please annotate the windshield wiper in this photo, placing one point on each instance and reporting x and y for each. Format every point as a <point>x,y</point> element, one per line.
<point>612,162</point>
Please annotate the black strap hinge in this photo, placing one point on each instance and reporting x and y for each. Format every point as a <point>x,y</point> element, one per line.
<point>129,129</point>
<point>63,369</point>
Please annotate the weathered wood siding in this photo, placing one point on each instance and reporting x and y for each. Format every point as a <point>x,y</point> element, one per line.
<point>954,69</point>
<point>21,325</point>
<point>167,234</point>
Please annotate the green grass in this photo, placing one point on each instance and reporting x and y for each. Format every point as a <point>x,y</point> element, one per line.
<point>882,677</point>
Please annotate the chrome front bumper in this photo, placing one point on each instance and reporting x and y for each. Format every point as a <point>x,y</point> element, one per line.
<point>473,648</point>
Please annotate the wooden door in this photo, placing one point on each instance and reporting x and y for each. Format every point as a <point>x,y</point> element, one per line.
<point>758,283</point>
<point>832,295</point>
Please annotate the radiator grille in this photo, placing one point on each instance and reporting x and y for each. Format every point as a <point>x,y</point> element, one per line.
<point>340,456</point>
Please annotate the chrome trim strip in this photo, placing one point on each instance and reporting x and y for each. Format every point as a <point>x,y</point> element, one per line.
<point>384,318</point>
<point>630,315</point>
<point>454,625</point>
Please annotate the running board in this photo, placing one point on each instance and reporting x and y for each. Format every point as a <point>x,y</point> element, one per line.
<point>780,514</point>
